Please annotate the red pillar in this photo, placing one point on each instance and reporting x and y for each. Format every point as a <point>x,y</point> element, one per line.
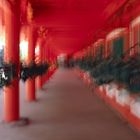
<point>11,55</point>
<point>30,83</point>
<point>46,74</point>
<point>43,61</point>
<point>38,82</point>
<point>39,78</point>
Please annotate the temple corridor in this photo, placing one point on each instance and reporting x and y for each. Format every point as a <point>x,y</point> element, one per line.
<point>66,109</point>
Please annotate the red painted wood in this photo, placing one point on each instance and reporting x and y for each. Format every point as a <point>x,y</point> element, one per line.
<point>11,55</point>
<point>30,83</point>
<point>38,79</point>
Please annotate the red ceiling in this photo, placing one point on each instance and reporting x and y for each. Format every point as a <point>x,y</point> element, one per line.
<point>71,23</point>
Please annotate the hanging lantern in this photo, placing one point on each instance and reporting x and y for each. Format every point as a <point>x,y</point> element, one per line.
<point>42,31</point>
<point>29,13</point>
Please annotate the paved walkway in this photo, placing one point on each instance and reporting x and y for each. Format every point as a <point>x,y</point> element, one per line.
<point>67,110</point>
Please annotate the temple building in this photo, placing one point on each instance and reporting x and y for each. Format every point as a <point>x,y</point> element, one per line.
<point>69,69</point>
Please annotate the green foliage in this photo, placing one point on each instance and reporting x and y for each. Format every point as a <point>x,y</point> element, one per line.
<point>114,68</point>
<point>32,70</point>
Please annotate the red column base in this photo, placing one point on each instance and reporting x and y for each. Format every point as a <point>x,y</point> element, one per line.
<point>11,102</point>
<point>30,90</point>
<point>38,82</point>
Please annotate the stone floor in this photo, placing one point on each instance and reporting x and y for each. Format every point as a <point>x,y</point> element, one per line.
<point>66,110</point>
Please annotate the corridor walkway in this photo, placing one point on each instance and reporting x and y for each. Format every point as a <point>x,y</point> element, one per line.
<point>67,110</point>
